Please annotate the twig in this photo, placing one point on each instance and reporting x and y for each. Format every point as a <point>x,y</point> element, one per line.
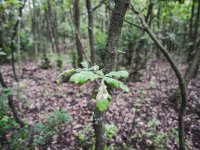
<point>133,24</point>
<point>99,5</point>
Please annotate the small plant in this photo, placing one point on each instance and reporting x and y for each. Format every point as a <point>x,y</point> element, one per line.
<point>110,130</point>
<point>81,76</point>
<point>158,139</point>
<point>59,61</point>
<point>174,134</point>
<point>26,137</point>
<point>53,126</point>
<point>103,98</point>
<point>86,139</point>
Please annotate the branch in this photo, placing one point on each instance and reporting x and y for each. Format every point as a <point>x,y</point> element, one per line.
<point>135,25</point>
<point>99,5</point>
<point>181,81</point>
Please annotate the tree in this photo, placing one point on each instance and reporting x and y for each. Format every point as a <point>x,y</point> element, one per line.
<point>181,80</point>
<point>110,60</point>
<point>12,45</point>
<point>79,47</point>
<point>90,30</point>
<point>193,55</point>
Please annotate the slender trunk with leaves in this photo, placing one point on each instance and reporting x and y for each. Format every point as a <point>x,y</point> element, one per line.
<point>110,60</point>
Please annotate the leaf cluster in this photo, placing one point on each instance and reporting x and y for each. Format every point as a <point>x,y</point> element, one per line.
<point>111,79</point>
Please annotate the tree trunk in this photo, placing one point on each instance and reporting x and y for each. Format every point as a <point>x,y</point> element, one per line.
<point>194,51</point>
<point>35,28</point>
<point>79,47</point>
<point>181,82</point>
<point>49,32</point>
<point>90,30</point>
<point>110,60</point>
<point>53,25</point>
<point>12,46</point>
<point>11,103</point>
<point>194,35</point>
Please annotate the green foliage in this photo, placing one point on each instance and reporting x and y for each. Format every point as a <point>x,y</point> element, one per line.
<point>174,134</point>
<point>59,61</point>
<point>117,74</point>
<point>81,76</point>
<point>59,117</point>
<point>100,43</point>
<point>86,138</point>
<point>158,139</point>
<point>110,130</point>
<point>102,104</point>
<point>153,123</point>
<point>19,137</point>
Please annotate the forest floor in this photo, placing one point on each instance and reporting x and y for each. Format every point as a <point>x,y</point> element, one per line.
<point>133,113</point>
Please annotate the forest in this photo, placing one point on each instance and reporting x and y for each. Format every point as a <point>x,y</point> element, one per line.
<point>99,74</point>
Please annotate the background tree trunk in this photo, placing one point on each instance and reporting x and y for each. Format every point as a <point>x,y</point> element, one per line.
<point>193,51</point>
<point>90,30</point>
<point>12,46</point>
<point>77,32</point>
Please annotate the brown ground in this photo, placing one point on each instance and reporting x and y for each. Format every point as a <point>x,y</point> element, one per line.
<point>129,112</point>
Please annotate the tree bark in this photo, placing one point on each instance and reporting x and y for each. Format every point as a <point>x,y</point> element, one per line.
<point>194,35</point>
<point>110,60</point>
<point>90,30</point>
<point>79,47</point>
<point>193,51</point>
<point>53,25</point>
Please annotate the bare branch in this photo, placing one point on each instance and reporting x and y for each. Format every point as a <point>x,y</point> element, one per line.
<point>133,24</point>
<point>99,5</point>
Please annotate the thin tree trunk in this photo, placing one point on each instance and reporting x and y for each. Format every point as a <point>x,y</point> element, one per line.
<point>53,26</point>
<point>110,60</point>
<point>181,82</point>
<point>194,52</point>
<point>194,35</point>
<point>50,35</point>
<point>11,103</point>
<point>90,30</point>
<point>12,46</point>
<point>35,28</point>
<point>79,47</point>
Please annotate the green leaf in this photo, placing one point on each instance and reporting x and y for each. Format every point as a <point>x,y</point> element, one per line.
<point>100,72</point>
<point>116,84</point>
<point>102,105</point>
<point>124,87</point>
<point>5,119</point>
<point>118,74</point>
<point>112,82</point>
<point>83,77</point>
